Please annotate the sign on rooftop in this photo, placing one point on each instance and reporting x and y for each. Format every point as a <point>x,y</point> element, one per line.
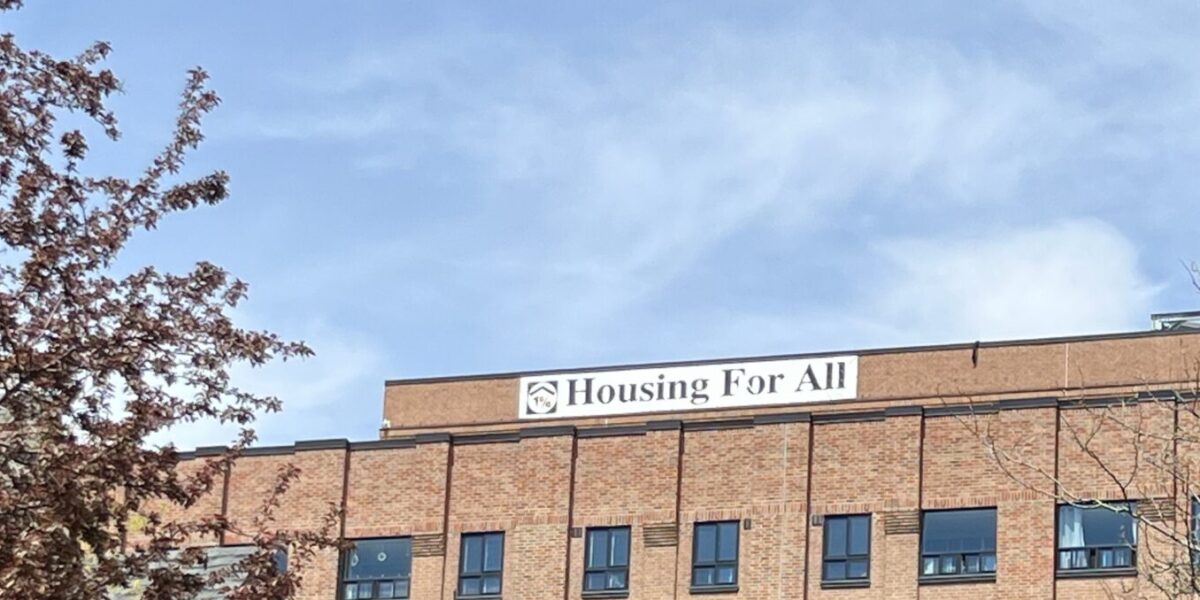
<point>696,387</point>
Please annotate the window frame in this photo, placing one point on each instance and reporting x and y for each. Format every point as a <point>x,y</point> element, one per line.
<point>483,571</point>
<point>961,575</point>
<point>1093,549</point>
<point>344,566</point>
<point>608,567</point>
<point>716,563</point>
<point>847,557</point>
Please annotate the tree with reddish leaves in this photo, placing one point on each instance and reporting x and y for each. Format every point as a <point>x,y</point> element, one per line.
<point>93,362</point>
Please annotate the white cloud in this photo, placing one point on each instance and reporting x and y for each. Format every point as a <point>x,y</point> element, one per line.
<point>1067,278</point>
<point>605,180</point>
<point>643,164</point>
<point>332,394</point>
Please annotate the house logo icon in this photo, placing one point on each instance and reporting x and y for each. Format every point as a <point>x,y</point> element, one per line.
<point>541,397</point>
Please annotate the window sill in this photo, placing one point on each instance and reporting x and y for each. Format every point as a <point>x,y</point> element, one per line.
<point>845,583</point>
<point>713,589</point>
<point>950,579</point>
<point>1096,573</point>
<point>605,594</point>
<point>478,597</point>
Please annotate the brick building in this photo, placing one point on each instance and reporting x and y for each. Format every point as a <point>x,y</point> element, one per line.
<point>842,475</point>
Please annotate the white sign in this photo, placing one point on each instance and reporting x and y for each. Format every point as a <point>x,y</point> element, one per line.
<point>700,387</point>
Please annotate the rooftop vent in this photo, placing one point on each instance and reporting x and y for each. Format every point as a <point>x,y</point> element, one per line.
<point>1175,321</point>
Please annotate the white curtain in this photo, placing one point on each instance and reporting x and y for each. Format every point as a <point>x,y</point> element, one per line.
<point>1070,535</point>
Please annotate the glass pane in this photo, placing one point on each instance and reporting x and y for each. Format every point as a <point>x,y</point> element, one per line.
<point>472,558</point>
<point>597,551</point>
<point>948,564</point>
<point>727,540</point>
<point>364,590</point>
<point>386,589</point>
<point>619,538</point>
<point>1122,557</point>
<point>379,559</point>
<point>859,537</point>
<point>856,569</point>
<point>1070,527</point>
<point>351,591</point>
<point>469,586</point>
<point>706,544</point>
<point>971,563</point>
<point>959,531</point>
<point>989,563</point>
<point>1073,559</point>
<point>929,565</point>
<point>1104,527</point>
<point>594,581</point>
<point>401,589</point>
<point>617,580</point>
<point>834,570</point>
<point>493,552</point>
<point>491,585</point>
<point>703,576</point>
<point>835,537</point>
<point>726,575</point>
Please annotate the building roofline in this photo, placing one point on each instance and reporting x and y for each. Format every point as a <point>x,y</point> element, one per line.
<point>771,357</point>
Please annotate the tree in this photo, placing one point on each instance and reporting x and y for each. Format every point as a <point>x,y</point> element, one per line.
<point>1135,454</point>
<point>93,362</point>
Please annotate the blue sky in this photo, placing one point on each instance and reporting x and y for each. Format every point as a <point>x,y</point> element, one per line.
<point>458,187</point>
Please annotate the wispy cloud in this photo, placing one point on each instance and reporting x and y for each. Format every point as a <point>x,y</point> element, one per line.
<point>1070,277</point>
<point>630,170</point>
<point>475,193</point>
<point>327,395</point>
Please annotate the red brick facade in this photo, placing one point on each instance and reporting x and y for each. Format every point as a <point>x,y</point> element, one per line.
<point>455,460</point>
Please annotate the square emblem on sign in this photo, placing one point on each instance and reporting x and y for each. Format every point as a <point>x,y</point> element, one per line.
<point>541,397</point>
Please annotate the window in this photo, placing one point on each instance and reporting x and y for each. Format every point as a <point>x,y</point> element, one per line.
<point>1195,531</point>
<point>958,543</point>
<point>377,569</point>
<point>280,560</point>
<point>606,560</point>
<point>847,548</point>
<point>1092,537</point>
<point>481,564</point>
<point>715,554</point>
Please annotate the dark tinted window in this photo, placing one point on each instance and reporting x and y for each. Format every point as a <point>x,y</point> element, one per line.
<point>481,564</point>
<point>958,543</point>
<point>847,548</point>
<point>1095,537</point>
<point>607,559</point>
<point>377,569</point>
<point>714,554</point>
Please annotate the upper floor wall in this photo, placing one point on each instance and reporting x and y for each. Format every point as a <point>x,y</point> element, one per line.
<point>1058,367</point>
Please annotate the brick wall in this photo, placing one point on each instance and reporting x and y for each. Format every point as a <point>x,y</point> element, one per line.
<point>628,480</point>
<point>756,474</point>
<point>395,492</point>
<point>1079,366</point>
<point>777,477</point>
<point>888,465</point>
<point>523,489</point>
<point>868,467</point>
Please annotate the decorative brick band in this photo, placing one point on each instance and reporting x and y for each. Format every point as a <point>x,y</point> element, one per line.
<point>1157,509</point>
<point>902,522</point>
<point>660,535</point>
<point>432,544</point>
